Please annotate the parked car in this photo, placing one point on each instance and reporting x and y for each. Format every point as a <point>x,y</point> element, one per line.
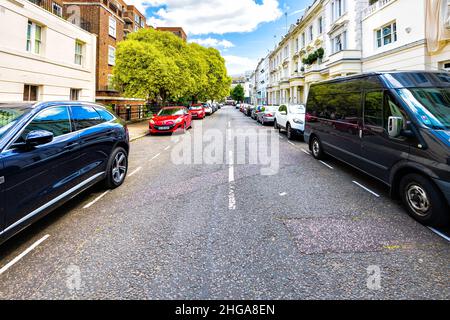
<point>52,151</point>
<point>241,107</point>
<point>255,111</point>
<point>248,109</point>
<point>220,106</point>
<point>208,109</point>
<point>267,115</point>
<point>292,119</point>
<point>394,126</point>
<point>197,111</point>
<point>170,120</point>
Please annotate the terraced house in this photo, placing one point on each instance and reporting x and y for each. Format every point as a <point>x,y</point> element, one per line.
<point>344,37</point>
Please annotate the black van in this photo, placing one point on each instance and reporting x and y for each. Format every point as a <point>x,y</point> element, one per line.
<point>394,126</point>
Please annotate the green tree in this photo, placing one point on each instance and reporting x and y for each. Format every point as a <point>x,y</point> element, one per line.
<point>160,66</point>
<point>238,93</point>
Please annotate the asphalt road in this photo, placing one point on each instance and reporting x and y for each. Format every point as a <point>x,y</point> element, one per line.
<point>225,231</point>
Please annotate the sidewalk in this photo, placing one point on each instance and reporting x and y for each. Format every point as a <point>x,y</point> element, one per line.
<point>138,129</point>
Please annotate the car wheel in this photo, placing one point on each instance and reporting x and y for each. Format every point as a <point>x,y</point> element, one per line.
<point>423,201</point>
<point>117,168</point>
<point>290,134</point>
<point>262,121</point>
<point>316,148</point>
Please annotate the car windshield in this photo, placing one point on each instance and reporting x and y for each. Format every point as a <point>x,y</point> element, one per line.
<point>271,109</point>
<point>171,112</point>
<point>9,116</point>
<point>196,107</point>
<point>430,105</point>
<point>297,109</point>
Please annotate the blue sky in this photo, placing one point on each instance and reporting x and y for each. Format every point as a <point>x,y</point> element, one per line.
<point>243,30</point>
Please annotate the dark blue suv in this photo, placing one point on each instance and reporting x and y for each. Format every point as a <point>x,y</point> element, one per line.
<point>52,151</point>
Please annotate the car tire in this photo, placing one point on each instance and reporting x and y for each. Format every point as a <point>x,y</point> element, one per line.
<point>275,125</point>
<point>262,121</point>
<point>316,148</point>
<point>290,134</point>
<point>424,201</point>
<point>117,168</point>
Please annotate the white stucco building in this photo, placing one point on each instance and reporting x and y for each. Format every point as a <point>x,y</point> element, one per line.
<point>344,37</point>
<point>262,80</point>
<point>42,56</point>
<point>397,35</point>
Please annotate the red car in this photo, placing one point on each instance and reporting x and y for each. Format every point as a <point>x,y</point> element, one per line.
<point>171,119</point>
<point>197,111</point>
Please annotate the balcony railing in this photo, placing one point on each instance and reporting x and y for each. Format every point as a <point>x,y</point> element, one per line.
<point>375,7</point>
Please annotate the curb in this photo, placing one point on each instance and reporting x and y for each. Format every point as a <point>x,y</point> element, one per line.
<point>138,137</point>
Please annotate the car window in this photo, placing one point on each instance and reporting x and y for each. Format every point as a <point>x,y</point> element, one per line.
<point>373,108</point>
<point>85,117</point>
<point>56,120</point>
<point>106,116</point>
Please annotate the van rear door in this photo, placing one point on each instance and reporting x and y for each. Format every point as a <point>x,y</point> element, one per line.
<point>379,151</point>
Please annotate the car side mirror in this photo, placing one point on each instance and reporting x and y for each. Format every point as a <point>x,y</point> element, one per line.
<point>38,137</point>
<point>395,126</point>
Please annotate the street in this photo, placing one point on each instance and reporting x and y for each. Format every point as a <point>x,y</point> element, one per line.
<point>312,230</point>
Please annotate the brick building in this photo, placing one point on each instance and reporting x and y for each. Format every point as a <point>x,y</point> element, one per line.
<point>178,31</point>
<point>111,21</point>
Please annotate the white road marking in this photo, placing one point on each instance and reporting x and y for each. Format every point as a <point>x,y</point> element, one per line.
<point>167,148</point>
<point>231,193</point>
<point>90,204</point>
<point>367,189</point>
<point>440,234</point>
<point>326,164</point>
<point>135,171</point>
<point>229,124</point>
<point>156,156</point>
<point>23,254</point>
<point>283,194</point>
<point>307,152</point>
<point>291,143</point>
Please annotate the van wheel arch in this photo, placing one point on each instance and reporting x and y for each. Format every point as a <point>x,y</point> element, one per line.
<point>398,176</point>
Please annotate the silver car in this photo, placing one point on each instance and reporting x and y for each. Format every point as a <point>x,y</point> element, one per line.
<point>267,115</point>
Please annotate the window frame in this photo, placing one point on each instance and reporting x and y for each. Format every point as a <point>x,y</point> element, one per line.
<point>112,27</point>
<point>34,44</point>
<point>380,36</point>
<point>74,122</point>
<point>29,92</point>
<point>111,49</point>
<point>79,44</point>
<point>59,9</point>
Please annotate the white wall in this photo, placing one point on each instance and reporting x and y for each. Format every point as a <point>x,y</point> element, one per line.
<point>54,69</point>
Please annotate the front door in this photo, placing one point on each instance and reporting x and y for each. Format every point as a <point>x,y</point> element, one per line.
<point>35,176</point>
<point>379,151</point>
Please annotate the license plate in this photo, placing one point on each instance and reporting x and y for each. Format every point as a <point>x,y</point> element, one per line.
<point>164,128</point>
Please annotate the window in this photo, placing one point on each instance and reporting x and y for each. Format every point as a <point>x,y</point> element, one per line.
<point>386,34</point>
<point>303,40</point>
<point>56,120</point>
<point>57,9</point>
<point>85,117</point>
<point>311,33</point>
<point>111,55</point>
<point>136,18</point>
<point>75,94</point>
<point>78,52</point>
<point>296,45</point>
<point>136,28</point>
<point>106,116</point>
<point>373,109</point>
<point>34,38</point>
<point>112,27</point>
<point>30,92</point>
<point>339,42</point>
<point>337,8</point>
<point>320,25</point>
<point>447,66</point>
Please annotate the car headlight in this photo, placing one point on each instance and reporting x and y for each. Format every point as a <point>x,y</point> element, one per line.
<point>179,120</point>
<point>298,121</point>
<point>152,121</point>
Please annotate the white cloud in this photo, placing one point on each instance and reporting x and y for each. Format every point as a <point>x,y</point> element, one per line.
<point>238,65</point>
<point>211,16</point>
<point>211,42</point>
